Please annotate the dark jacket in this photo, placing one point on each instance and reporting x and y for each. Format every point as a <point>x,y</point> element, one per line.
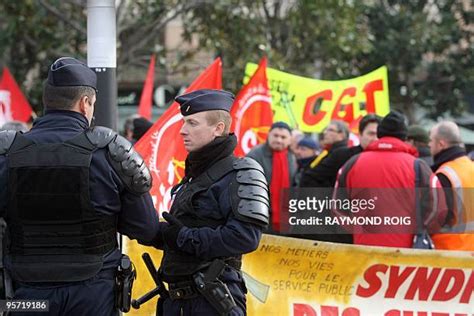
<point>303,164</point>
<point>425,154</point>
<point>233,238</point>
<point>137,217</point>
<point>213,229</point>
<point>324,174</point>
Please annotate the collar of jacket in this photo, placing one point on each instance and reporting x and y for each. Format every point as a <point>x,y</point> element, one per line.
<point>392,144</point>
<point>446,155</point>
<point>336,145</point>
<point>424,151</point>
<point>303,162</point>
<point>62,119</point>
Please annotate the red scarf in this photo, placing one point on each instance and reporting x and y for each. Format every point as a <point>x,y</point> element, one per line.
<point>280,180</point>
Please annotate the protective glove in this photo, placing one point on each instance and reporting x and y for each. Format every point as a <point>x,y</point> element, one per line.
<point>158,242</point>
<point>170,233</point>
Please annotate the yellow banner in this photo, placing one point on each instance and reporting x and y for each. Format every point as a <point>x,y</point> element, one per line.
<point>289,276</point>
<point>310,104</point>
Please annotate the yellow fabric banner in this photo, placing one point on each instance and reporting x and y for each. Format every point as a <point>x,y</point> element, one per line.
<point>289,276</point>
<point>310,104</point>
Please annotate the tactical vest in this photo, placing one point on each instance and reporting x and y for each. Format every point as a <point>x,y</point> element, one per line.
<point>56,235</point>
<point>178,265</point>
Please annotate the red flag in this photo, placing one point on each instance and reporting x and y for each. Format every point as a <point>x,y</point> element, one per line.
<point>146,99</point>
<point>252,112</point>
<point>13,104</point>
<point>354,139</point>
<point>162,146</point>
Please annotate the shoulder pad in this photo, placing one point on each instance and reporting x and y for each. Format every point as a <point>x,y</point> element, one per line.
<point>6,140</point>
<point>250,172</point>
<point>250,196</point>
<point>247,163</point>
<point>100,136</point>
<point>129,165</point>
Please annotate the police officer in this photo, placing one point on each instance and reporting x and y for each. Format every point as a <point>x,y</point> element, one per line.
<point>71,188</point>
<point>218,213</point>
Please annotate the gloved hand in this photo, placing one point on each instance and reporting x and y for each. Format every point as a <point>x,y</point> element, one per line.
<point>158,242</point>
<point>170,233</point>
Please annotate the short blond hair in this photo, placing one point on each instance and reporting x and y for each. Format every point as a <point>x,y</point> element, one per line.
<point>215,116</point>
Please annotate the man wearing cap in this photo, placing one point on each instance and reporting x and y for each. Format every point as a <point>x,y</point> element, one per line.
<point>70,189</point>
<point>306,151</point>
<point>140,126</point>
<point>127,131</point>
<point>279,165</point>
<point>219,210</point>
<point>387,172</point>
<point>296,136</point>
<point>456,173</point>
<point>418,137</point>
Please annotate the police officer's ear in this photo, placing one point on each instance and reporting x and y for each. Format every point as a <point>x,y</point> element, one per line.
<point>220,128</point>
<point>86,107</point>
<point>84,104</point>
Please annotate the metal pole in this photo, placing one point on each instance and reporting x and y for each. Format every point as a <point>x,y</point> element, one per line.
<point>102,58</point>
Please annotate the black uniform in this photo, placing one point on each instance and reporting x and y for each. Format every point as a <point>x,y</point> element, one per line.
<point>218,214</point>
<point>70,189</point>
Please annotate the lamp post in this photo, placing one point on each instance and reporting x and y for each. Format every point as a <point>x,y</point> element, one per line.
<point>102,58</point>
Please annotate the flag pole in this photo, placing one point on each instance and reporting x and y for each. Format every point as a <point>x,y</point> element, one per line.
<point>146,99</point>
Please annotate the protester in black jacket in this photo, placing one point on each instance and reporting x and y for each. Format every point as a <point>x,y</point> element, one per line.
<point>367,133</point>
<point>321,174</point>
<point>418,137</point>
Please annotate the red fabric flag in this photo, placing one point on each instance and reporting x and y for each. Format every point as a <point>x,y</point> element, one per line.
<point>252,112</point>
<point>13,104</point>
<point>146,99</point>
<point>354,139</point>
<point>162,146</point>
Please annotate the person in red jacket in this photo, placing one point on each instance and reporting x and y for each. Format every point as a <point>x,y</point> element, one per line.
<point>386,173</point>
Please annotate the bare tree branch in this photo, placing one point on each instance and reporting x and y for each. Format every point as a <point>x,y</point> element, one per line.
<point>120,15</point>
<point>144,36</point>
<point>30,41</point>
<point>160,24</point>
<point>276,8</point>
<point>265,9</point>
<point>81,3</point>
<point>63,18</point>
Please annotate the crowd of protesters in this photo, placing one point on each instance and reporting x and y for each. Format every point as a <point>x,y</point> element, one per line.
<point>391,155</point>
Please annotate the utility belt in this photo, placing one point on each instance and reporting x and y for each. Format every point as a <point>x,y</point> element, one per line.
<point>183,290</point>
<point>207,284</point>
